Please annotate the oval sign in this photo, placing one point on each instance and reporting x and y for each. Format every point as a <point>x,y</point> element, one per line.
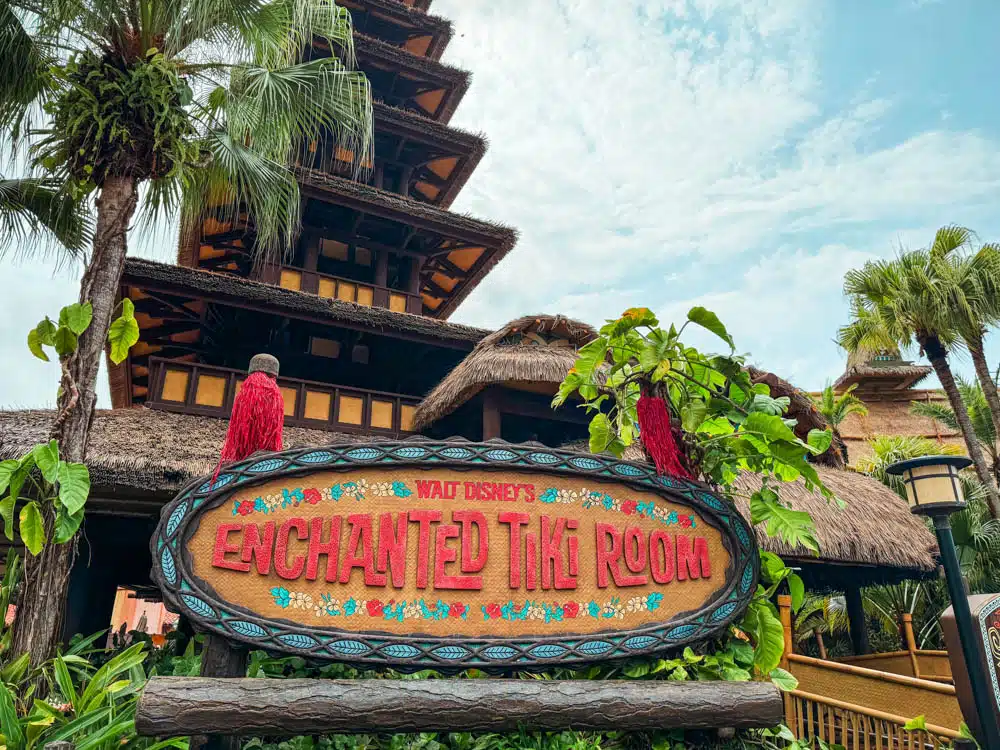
<point>453,555</point>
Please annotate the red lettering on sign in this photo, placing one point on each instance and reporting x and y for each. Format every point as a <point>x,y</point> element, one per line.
<point>392,548</point>
<point>443,554</point>
<point>635,549</point>
<point>329,549</point>
<point>552,558</point>
<point>475,534</point>
<point>360,553</point>
<point>661,557</point>
<point>574,547</point>
<point>281,566</point>
<point>692,563</point>
<point>608,558</point>
<point>258,550</point>
<point>516,521</point>
<point>223,548</point>
<point>425,518</point>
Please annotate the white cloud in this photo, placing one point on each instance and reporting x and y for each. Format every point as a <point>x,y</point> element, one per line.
<point>663,153</point>
<point>657,151</point>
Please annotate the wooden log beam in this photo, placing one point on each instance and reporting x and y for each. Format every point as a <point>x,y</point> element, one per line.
<point>192,705</point>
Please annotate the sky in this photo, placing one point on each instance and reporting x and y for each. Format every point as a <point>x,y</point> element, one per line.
<point>736,154</point>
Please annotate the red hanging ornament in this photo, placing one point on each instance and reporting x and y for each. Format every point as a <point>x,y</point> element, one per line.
<point>258,415</point>
<point>658,437</point>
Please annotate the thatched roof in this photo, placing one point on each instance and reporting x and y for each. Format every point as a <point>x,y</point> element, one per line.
<point>880,371</point>
<point>409,17</point>
<point>876,528</point>
<point>803,409</point>
<point>446,137</point>
<point>889,414</point>
<point>227,288</point>
<point>533,348</point>
<point>157,452</point>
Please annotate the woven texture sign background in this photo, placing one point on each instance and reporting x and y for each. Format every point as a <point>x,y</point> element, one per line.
<point>454,553</point>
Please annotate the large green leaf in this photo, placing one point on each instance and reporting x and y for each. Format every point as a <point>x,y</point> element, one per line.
<point>770,639</point>
<point>76,317</point>
<point>12,731</point>
<point>74,486</point>
<point>693,414</point>
<point>710,321</point>
<point>7,514</point>
<point>601,433</point>
<point>20,475</point>
<point>66,525</point>
<point>783,679</point>
<point>123,335</point>
<point>797,589</point>
<point>7,469</point>
<point>32,528</point>
<point>768,426</point>
<point>590,358</point>
<point>35,345</point>
<point>65,341</point>
<point>47,460</point>
<point>819,440</point>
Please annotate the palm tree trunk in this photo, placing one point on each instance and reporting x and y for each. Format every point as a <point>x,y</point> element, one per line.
<point>985,378</point>
<point>939,361</point>
<point>42,604</point>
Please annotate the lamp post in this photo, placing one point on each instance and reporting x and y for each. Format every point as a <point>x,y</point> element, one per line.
<point>933,489</point>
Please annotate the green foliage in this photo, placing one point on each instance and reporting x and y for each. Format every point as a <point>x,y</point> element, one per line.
<point>45,486</point>
<point>39,209</point>
<point>124,332</point>
<point>73,321</point>
<point>979,414</point>
<point>838,408</point>
<point>730,424</point>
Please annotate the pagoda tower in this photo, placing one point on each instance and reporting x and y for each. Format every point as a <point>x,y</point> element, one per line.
<point>357,314</point>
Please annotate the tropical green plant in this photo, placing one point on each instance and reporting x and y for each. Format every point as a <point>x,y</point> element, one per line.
<point>837,408</point>
<point>36,209</point>
<point>909,299</point>
<point>203,104</point>
<point>888,449</point>
<point>94,708</point>
<point>978,409</point>
<point>973,276</point>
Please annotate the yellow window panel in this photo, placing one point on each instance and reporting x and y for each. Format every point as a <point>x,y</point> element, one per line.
<point>175,385</point>
<point>289,395</point>
<point>397,303</point>
<point>351,410</point>
<point>210,391</point>
<point>466,257</point>
<point>290,279</point>
<point>327,288</point>
<point>317,405</point>
<point>333,249</point>
<point>321,347</point>
<point>382,414</point>
<point>430,100</point>
<point>346,292</point>
<point>406,418</point>
<point>443,167</point>
<point>366,296</point>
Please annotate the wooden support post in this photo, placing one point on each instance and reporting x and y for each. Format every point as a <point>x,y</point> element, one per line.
<point>189,705</point>
<point>491,416</point>
<point>910,643</point>
<point>856,621</point>
<point>819,643</point>
<point>785,615</point>
<point>416,265</point>
<point>219,658</point>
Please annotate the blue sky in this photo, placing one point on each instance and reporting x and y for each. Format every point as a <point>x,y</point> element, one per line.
<point>737,154</point>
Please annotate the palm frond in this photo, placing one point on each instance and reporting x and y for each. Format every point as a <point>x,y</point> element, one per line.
<point>38,211</point>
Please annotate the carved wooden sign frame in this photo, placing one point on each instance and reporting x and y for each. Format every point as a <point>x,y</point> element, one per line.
<point>225,590</point>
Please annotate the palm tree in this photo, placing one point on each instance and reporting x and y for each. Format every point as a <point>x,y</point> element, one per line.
<point>895,303</point>
<point>36,211</point>
<point>202,103</point>
<point>974,302</point>
<point>838,408</point>
<point>976,405</point>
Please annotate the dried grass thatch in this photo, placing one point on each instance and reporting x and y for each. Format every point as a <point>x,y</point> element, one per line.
<point>531,349</point>
<point>870,373</point>
<point>154,453</point>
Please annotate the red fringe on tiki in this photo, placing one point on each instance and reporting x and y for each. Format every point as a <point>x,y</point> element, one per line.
<point>658,437</point>
<point>257,419</point>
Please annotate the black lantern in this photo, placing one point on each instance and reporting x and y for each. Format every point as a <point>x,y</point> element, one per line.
<point>934,489</point>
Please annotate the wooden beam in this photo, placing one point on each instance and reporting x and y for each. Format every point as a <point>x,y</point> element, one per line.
<point>194,705</point>
<point>856,620</point>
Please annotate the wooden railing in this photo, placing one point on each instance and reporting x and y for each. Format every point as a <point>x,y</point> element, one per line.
<point>811,717</point>
<point>346,290</point>
<point>925,664</point>
<point>201,389</point>
<point>858,707</point>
